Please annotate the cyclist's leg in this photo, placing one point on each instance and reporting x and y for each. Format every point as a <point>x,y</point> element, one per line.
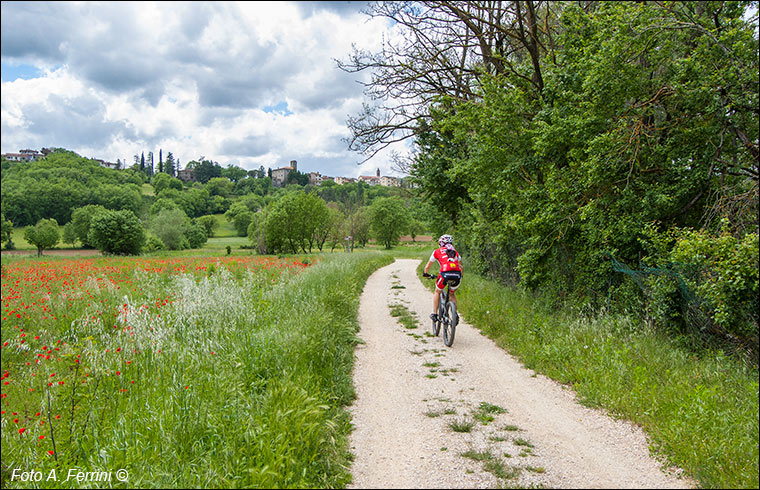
<point>436,300</point>
<point>439,285</point>
<point>453,289</point>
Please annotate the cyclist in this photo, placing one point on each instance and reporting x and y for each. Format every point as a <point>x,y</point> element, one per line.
<point>450,263</point>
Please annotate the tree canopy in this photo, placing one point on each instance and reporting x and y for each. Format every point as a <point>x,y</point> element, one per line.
<point>555,136</point>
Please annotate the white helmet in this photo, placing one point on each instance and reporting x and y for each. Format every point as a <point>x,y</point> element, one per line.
<point>445,239</point>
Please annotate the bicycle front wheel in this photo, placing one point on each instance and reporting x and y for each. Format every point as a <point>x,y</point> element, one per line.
<point>450,324</point>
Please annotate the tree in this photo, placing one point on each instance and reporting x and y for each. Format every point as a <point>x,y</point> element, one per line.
<point>296,177</point>
<point>219,186</point>
<point>241,222</point>
<point>43,235</point>
<point>357,227</point>
<point>69,234</point>
<point>317,220</point>
<point>444,49</point>
<point>205,170</point>
<point>389,219</point>
<point>163,181</point>
<point>636,113</point>
<point>7,232</point>
<point>234,173</point>
<point>170,226</point>
<point>208,223</point>
<point>81,219</point>
<point>257,232</point>
<point>293,220</point>
<point>170,167</point>
<point>415,228</point>
<point>162,203</point>
<point>113,196</point>
<point>117,232</point>
<point>196,235</point>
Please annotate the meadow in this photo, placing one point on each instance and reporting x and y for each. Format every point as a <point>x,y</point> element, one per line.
<point>181,371</point>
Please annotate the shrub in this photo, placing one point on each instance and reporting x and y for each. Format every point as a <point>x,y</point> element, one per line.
<point>117,232</point>
<point>196,235</point>
<point>209,223</point>
<point>154,244</point>
<point>706,281</point>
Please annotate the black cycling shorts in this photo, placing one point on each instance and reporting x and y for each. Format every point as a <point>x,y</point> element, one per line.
<point>453,278</point>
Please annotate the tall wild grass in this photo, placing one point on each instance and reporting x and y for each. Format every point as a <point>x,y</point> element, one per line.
<point>239,381</point>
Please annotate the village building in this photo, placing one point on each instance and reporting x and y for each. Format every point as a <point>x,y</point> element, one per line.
<point>390,181</point>
<point>186,175</point>
<point>315,178</point>
<point>23,156</point>
<point>280,175</point>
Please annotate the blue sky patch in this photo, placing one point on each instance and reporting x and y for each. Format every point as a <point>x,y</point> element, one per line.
<point>11,72</point>
<point>281,108</point>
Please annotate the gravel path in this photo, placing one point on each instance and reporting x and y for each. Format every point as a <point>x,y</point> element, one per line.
<point>411,388</point>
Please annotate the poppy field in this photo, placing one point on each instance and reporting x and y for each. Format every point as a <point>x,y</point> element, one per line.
<point>195,371</point>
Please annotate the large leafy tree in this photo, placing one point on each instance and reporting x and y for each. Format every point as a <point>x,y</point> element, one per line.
<point>162,181</point>
<point>645,112</point>
<point>117,232</point>
<point>43,235</point>
<point>205,170</point>
<point>81,219</point>
<point>170,226</point>
<point>389,219</point>
<point>295,222</point>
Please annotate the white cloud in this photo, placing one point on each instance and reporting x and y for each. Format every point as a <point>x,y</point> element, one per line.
<point>192,78</point>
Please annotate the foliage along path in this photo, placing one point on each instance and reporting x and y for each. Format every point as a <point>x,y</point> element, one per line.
<point>416,399</point>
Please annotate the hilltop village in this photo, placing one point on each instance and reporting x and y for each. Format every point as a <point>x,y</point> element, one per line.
<point>279,175</point>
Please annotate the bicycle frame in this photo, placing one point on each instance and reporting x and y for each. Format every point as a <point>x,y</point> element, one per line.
<point>447,315</point>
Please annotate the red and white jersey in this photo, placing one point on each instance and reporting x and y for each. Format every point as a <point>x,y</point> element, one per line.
<point>446,263</point>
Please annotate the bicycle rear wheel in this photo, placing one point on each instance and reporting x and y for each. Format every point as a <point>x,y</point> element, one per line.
<point>437,325</point>
<point>450,320</point>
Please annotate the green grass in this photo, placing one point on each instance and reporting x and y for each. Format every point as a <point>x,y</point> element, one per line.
<point>462,425</point>
<point>237,395</point>
<point>485,411</point>
<point>477,455</point>
<point>700,408</point>
<point>405,317</point>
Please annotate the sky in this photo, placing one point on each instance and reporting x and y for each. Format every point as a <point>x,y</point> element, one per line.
<point>241,83</point>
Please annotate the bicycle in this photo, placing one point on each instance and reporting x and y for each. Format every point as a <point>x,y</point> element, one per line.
<point>447,315</point>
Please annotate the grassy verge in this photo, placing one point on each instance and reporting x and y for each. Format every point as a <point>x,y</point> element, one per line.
<point>700,410</point>
<point>221,376</point>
